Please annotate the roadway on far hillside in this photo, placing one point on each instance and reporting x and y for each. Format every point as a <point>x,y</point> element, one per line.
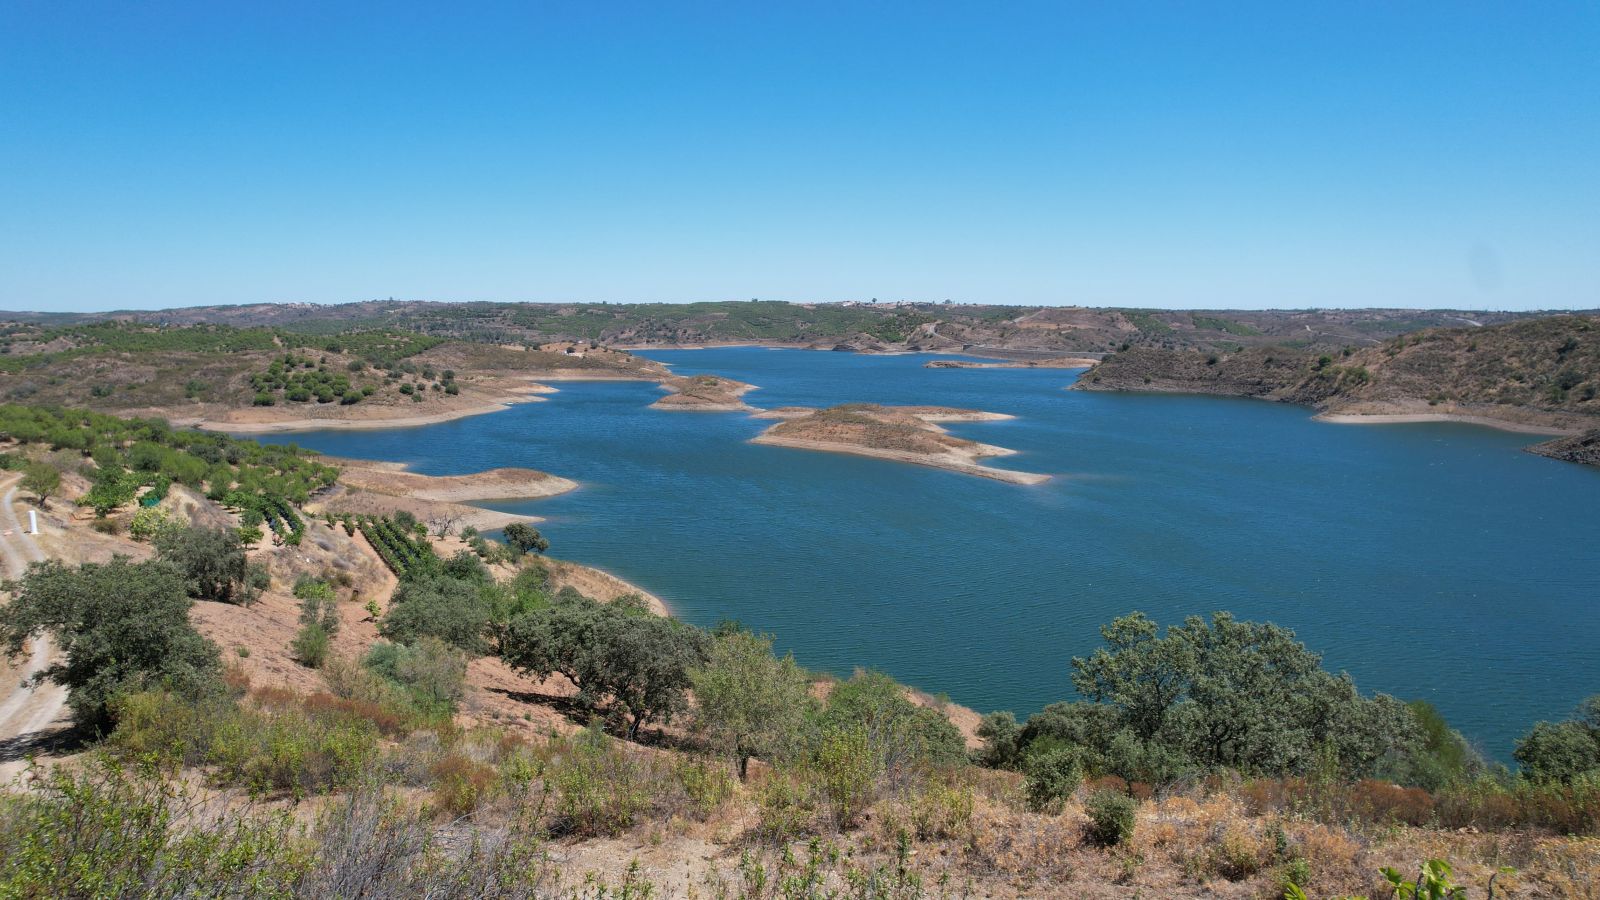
<point>29,714</point>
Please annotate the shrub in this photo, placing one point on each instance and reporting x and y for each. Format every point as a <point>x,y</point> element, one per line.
<point>785,806</point>
<point>211,559</point>
<point>103,829</point>
<point>845,772</point>
<point>707,783</point>
<point>1558,751</point>
<point>147,523</point>
<point>1052,776</point>
<point>601,790</point>
<point>310,645</point>
<point>460,784</point>
<point>1111,818</point>
<point>432,672</point>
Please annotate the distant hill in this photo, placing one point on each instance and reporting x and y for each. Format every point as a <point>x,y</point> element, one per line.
<point>1016,331</point>
<point>1537,373</point>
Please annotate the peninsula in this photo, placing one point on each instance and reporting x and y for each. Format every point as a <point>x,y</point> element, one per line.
<point>1540,376</point>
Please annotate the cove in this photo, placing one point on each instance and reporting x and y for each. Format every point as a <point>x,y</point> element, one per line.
<point>1433,561</point>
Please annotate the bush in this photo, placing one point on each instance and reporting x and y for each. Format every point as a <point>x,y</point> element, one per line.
<point>310,645</point>
<point>1111,818</point>
<point>1558,751</point>
<point>431,671</point>
<point>601,790</point>
<point>845,772</point>
<point>1052,776</point>
<point>147,523</point>
<point>785,806</point>
<point>211,559</point>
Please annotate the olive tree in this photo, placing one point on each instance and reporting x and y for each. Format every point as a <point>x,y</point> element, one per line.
<point>524,538</point>
<point>120,627</point>
<point>747,701</point>
<point>212,560</point>
<point>609,651</point>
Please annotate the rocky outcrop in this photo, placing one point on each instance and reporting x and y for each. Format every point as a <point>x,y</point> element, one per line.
<point>1578,448</point>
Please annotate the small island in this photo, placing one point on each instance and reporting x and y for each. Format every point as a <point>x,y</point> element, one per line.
<point>901,433</point>
<point>703,393</point>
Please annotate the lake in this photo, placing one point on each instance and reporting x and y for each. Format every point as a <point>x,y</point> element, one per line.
<point>1432,561</point>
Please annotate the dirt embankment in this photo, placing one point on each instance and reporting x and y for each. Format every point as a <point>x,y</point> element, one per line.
<point>443,502</point>
<point>903,434</point>
<point>1058,362</point>
<point>706,393</point>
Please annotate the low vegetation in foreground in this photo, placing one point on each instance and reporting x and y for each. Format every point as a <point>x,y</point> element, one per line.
<point>1214,757</point>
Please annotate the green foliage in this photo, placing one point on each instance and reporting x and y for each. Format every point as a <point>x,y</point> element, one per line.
<point>147,523</point>
<point>163,455</point>
<point>747,702</point>
<point>310,645</point>
<point>120,627</point>
<point>899,734</point>
<point>602,790</point>
<point>104,829</point>
<point>523,538</point>
<point>846,769</point>
<point>1225,694</point>
<point>1053,775</point>
<point>41,480</point>
<point>433,672</point>
<point>1111,818</point>
<point>401,552</point>
<point>1560,751</point>
<point>212,560</point>
<point>454,610</point>
<point>616,654</point>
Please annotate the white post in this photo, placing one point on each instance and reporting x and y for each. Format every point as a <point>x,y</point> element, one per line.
<point>33,521</point>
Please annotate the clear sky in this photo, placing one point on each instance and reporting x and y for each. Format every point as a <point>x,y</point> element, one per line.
<point>1117,153</point>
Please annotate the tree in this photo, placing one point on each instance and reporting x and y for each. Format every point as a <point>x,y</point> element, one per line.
<point>899,734</point>
<point>41,480</point>
<point>1561,751</point>
<point>1227,694</point>
<point>120,627</point>
<point>454,610</point>
<point>747,701</point>
<point>211,559</point>
<point>523,538</point>
<point>609,650</point>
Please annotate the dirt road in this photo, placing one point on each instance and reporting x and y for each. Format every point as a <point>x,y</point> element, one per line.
<point>29,714</point>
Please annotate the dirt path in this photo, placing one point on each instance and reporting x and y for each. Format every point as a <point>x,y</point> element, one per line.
<point>29,715</point>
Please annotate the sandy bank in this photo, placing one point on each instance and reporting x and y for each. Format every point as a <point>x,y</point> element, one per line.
<point>1061,362</point>
<point>925,413</point>
<point>250,422</point>
<point>599,584</point>
<point>899,433</point>
<point>430,512</point>
<point>949,461</point>
<point>1403,418</point>
<point>493,484</point>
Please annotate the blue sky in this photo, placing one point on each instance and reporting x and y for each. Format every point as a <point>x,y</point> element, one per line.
<point>1184,155</point>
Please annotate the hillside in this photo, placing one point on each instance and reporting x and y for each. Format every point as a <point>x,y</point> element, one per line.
<point>1534,374</point>
<point>1018,331</point>
<point>260,378</point>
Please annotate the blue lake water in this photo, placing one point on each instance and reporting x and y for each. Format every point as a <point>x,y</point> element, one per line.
<point>1431,560</point>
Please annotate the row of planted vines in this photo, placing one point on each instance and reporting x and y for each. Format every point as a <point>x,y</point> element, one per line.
<point>400,551</point>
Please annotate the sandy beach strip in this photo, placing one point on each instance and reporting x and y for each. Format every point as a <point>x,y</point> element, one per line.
<point>280,426</point>
<point>1461,418</point>
<point>492,484</point>
<point>950,463</point>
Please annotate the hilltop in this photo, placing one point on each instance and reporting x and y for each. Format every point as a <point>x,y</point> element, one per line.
<point>998,330</point>
<point>1532,374</point>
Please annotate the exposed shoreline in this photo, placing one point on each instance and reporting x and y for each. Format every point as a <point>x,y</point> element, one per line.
<point>948,463</point>
<point>281,426</point>
<point>1345,418</point>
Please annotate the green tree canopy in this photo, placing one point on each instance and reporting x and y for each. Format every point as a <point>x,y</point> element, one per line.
<point>618,650</point>
<point>120,626</point>
<point>747,701</point>
<point>212,560</point>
